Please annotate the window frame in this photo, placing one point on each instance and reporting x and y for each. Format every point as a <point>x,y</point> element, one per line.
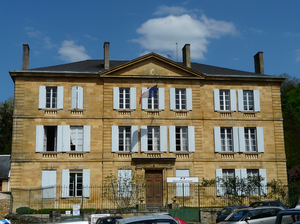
<point>153,138</point>
<point>77,191</point>
<point>78,138</point>
<point>227,137</point>
<point>249,132</point>
<point>58,98</point>
<point>181,138</point>
<point>76,97</point>
<point>180,99</point>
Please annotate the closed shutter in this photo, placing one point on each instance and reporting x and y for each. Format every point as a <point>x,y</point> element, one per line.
<point>86,182</point>
<point>240,100</point>
<point>65,182</point>
<point>217,139</point>
<point>42,97</point>
<point>172,99</point>
<point>260,139</point>
<point>144,139</point>
<point>263,174</point>
<point>219,177</point>
<point>132,98</point>
<point>134,139</point>
<point>49,183</point>
<point>191,140</point>
<point>217,99</point>
<point>256,100</point>
<point>60,97</point>
<point>114,138</point>
<point>172,139</point>
<point>242,139</point>
<point>163,138</point>
<point>236,147</point>
<point>39,138</point>
<point>60,138</point>
<point>74,97</point>
<point>116,98</point>
<point>161,98</point>
<point>232,100</point>
<point>86,138</point>
<point>144,100</point>
<point>80,97</point>
<point>189,99</point>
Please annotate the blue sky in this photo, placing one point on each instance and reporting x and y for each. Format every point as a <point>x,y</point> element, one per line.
<point>225,33</point>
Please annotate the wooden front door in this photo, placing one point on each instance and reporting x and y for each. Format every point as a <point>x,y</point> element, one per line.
<point>154,188</point>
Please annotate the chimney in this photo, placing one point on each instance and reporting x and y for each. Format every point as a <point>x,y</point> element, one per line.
<point>106,55</point>
<point>186,55</point>
<point>259,63</point>
<point>25,63</point>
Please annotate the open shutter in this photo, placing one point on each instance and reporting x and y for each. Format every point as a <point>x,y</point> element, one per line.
<point>219,176</point>
<point>232,100</point>
<point>240,100</point>
<point>132,98</point>
<point>191,138</point>
<point>86,182</point>
<point>144,100</point>
<point>86,138</point>
<point>189,99</point>
<point>236,147</point>
<point>66,138</point>
<point>161,98</point>
<point>260,139</point>
<point>73,97</point>
<point>263,174</point>
<point>49,180</point>
<point>144,139</point>
<point>60,138</point>
<point>65,182</point>
<point>114,138</point>
<point>256,100</point>
<point>134,139</point>
<point>172,139</point>
<point>217,138</point>
<point>60,97</point>
<point>42,97</point>
<point>242,139</point>
<point>172,99</point>
<point>116,98</point>
<point>163,138</point>
<point>80,97</point>
<point>39,138</point>
<point>217,99</point>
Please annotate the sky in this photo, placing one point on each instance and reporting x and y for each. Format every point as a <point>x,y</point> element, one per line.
<point>224,33</point>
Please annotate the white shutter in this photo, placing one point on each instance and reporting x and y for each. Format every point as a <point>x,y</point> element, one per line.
<point>161,98</point>
<point>189,99</point>
<point>263,174</point>
<point>39,138</point>
<point>134,139</point>
<point>86,138</point>
<point>217,99</point>
<point>114,138</point>
<point>132,98</point>
<point>73,97</point>
<point>42,97</point>
<point>163,138</point>
<point>219,177</point>
<point>60,97</point>
<point>144,139</point>
<point>240,100</point>
<point>65,182</point>
<point>217,139</point>
<point>60,138</point>
<point>256,100</point>
<point>242,139</point>
<point>49,180</point>
<point>191,138</point>
<point>80,97</point>
<point>66,138</point>
<point>232,100</point>
<point>172,99</point>
<point>144,100</point>
<point>260,139</point>
<point>86,182</point>
<point>236,147</point>
<point>116,98</point>
<point>172,139</point>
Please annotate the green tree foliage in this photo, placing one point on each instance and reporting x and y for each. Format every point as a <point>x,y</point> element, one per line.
<point>6,123</point>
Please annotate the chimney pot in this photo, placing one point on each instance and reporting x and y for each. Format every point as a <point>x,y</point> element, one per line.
<point>25,63</point>
<point>259,63</point>
<point>186,55</point>
<point>106,55</point>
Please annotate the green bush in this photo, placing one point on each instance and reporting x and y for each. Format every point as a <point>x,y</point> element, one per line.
<point>25,210</point>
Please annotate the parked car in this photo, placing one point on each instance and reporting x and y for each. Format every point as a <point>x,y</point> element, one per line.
<point>256,215</point>
<point>227,211</point>
<point>268,203</point>
<point>150,219</point>
<point>289,213</point>
<point>180,221</point>
<point>108,219</point>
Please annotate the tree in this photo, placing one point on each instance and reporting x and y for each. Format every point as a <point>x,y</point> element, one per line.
<point>6,123</point>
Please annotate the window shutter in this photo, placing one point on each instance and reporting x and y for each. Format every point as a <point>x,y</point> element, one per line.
<point>86,182</point>
<point>42,97</point>
<point>116,98</point>
<point>217,99</point>
<point>172,99</point>
<point>242,139</point>
<point>60,138</point>
<point>80,97</point>
<point>134,139</point>
<point>239,176</point>
<point>240,100</point>
<point>263,174</point>
<point>63,138</point>
<point>232,100</point>
<point>256,100</point>
<point>219,176</point>
<point>163,138</point>
<point>189,99</point>
<point>86,138</point>
<point>260,139</point>
<point>217,138</point>
<point>65,181</point>
<point>191,138</point>
<point>132,98</point>
<point>144,100</point>
<point>73,97</point>
<point>161,98</point>
<point>60,97</point>
<point>114,138</point>
<point>48,180</point>
<point>172,138</point>
<point>39,138</point>
<point>236,147</point>
<point>144,139</point>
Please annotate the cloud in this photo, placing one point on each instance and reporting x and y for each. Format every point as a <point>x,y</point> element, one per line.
<point>33,33</point>
<point>161,34</point>
<point>166,10</point>
<point>70,52</point>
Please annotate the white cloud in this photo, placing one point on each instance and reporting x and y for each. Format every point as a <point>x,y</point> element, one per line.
<point>163,10</point>
<point>161,34</point>
<point>33,33</point>
<point>70,52</point>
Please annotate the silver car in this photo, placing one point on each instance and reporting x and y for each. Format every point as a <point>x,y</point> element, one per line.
<point>258,215</point>
<point>155,219</point>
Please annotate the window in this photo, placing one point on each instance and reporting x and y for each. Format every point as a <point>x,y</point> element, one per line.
<point>181,99</point>
<point>182,189</point>
<point>51,97</point>
<point>50,136</point>
<point>153,139</point>
<point>252,173</point>
<point>49,183</point>
<point>226,139</point>
<point>182,139</point>
<point>77,97</point>
<point>76,183</point>
<point>124,98</point>
<point>154,103</point>
<point>250,139</point>
<point>248,100</point>
<point>76,141</point>
<point>124,138</point>
<point>124,183</point>
<point>225,100</point>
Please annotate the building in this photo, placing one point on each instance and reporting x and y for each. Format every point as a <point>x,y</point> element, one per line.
<point>4,172</point>
<point>77,123</point>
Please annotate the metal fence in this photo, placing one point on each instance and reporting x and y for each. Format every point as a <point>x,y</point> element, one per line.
<point>109,198</point>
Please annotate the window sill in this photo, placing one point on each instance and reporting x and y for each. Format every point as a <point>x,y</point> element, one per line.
<point>249,113</point>
<point>124,112</point>
<point>49,154</point>
<point>225,113</point>
<point>181,113</point>
<point>225,152</point>
<point>153,154</point>
<point>75,154</point>
<point>154,112</point>
<point>50,111</point>
<point>75,111</point>
<point>124,155</point>
<point>182,155</point>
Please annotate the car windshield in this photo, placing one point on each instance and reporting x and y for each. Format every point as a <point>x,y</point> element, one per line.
<point>236,215</point>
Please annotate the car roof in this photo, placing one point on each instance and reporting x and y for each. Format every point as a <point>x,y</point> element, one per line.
<point>260,207</point>
<point>141,218</point>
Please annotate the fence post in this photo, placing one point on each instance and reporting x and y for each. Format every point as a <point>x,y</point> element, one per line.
<point>183,194</point>
<point>199,195</point>
<point>167,195</point>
